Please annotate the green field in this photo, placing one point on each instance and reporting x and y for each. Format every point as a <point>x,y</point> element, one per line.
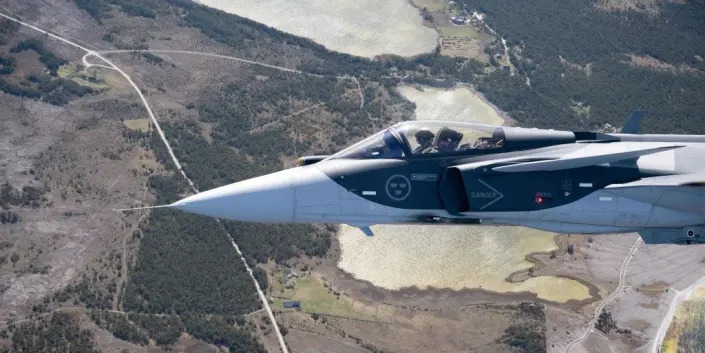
<point>137,124</point>
<point>316,298</point>
<point>82,78</point>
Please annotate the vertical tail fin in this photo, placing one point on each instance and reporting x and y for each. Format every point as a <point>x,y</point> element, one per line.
<point>633,124</point>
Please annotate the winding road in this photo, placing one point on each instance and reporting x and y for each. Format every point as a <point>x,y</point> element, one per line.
<point>111,66</point>
<point>610,298</point>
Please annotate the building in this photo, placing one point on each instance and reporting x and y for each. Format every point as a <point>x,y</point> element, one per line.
<point>459,20</point>
<point>295,304</point>
<point>290,279</point>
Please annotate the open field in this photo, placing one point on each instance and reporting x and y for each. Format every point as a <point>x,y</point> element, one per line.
<point>457,104</point>
<point>88,78</point>
<point>137,124</point>
<point>455,40</point>
<point>363,28</point>
<point>316,298</point>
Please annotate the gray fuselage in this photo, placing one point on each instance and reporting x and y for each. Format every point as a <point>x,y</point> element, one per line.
<point>551,180</point>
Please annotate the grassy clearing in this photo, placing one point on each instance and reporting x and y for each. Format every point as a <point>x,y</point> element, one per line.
<point>137,124</point>
<point>581,110</point>
<point>670,345</point>
<point>82,78</point>
<point>316,298</point>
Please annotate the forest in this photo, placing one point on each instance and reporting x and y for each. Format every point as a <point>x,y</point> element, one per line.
<point>58,332</point>
<point>530,335</point>
<point>186,264</point>
<point>100,9</point>
<point>48,88</point>
<point>576,60</point>
<point>119,326</point>
<point>187,268</point>
<point>49,59</point>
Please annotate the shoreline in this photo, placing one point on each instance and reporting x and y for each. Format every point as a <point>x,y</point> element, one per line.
<point>538,265</point>
<point>347,283</point>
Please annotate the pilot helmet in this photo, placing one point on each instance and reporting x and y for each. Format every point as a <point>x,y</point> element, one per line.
<point>448,139</point>
<point>424,136</point>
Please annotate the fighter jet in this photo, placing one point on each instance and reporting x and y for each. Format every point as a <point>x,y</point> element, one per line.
<point>449,172</point>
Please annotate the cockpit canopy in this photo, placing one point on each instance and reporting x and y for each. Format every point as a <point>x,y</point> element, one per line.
<point>426,138</point>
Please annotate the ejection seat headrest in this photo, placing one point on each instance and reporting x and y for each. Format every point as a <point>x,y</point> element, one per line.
<point>449,134</point>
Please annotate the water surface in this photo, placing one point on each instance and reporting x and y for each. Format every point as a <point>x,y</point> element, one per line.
<point>362,27</point>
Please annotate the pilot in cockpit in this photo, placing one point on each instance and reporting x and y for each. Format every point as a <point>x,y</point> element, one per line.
<point>391,147</point>
<point>447,141</point>
<point>424,137</point>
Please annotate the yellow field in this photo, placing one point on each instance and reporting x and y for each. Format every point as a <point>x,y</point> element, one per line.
<point>137,124</point>
<point>670,345</point>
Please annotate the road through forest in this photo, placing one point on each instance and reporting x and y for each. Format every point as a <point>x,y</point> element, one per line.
<point>111,66</point>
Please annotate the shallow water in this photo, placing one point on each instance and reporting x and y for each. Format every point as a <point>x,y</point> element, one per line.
<point>455,257</point>
<point>363,27</point>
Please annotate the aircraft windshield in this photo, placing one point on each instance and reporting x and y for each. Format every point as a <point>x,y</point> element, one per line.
<point>446,137</point>
<point>426,138</point>
<point>381,145</point>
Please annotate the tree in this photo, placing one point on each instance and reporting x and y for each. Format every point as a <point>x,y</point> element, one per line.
<point>261,277</point>
<point>605,322</point>
<point>14,258</point>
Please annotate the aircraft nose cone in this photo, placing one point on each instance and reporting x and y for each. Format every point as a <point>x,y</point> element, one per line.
<point>268,198</point>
